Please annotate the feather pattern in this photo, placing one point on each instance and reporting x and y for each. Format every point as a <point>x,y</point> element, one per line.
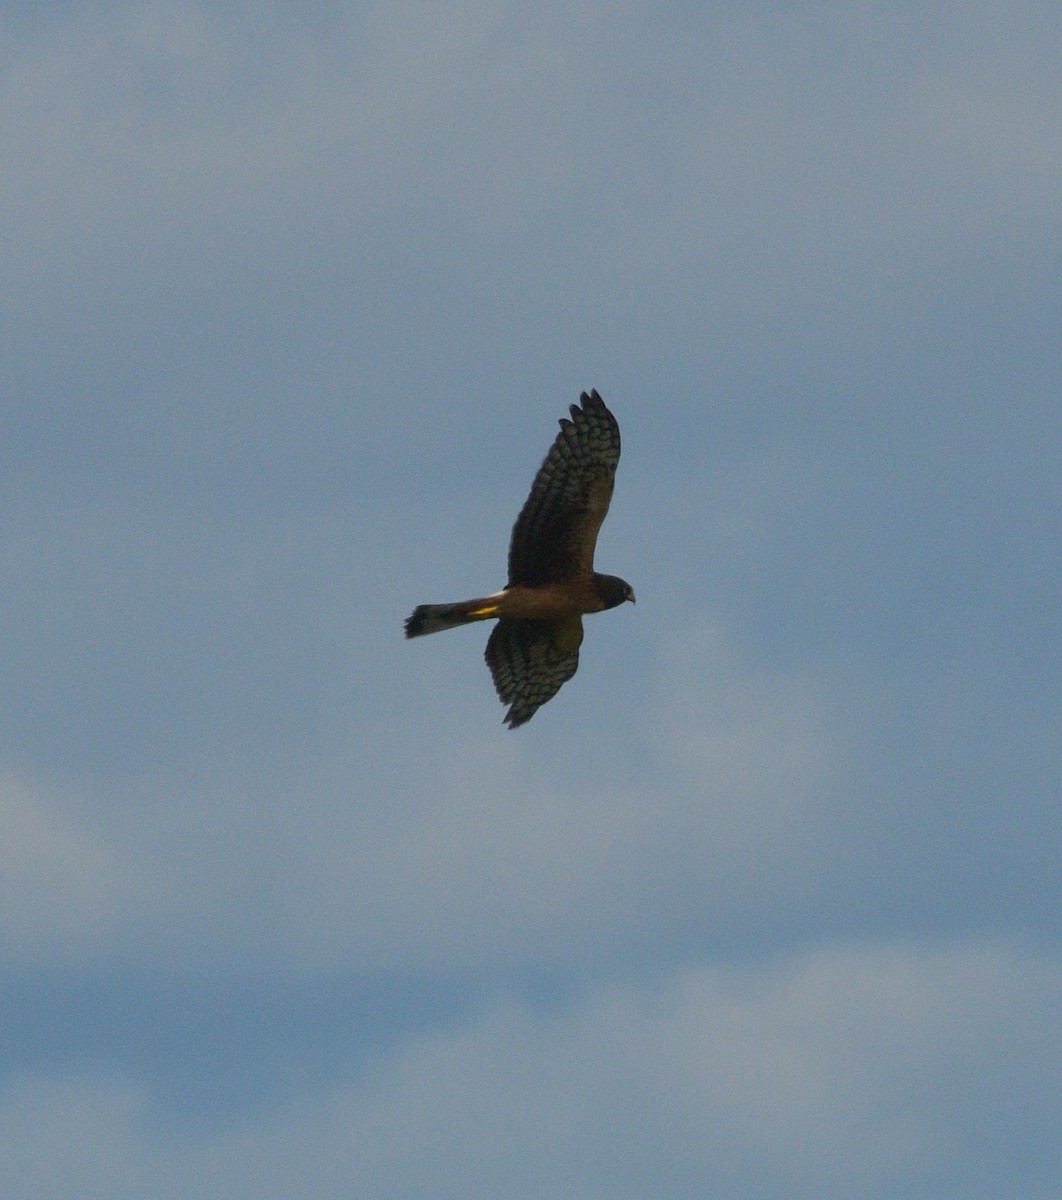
<point>556,532</point>
<point>530,661</point>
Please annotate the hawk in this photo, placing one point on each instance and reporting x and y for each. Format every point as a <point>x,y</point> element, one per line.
<point>534,649</point>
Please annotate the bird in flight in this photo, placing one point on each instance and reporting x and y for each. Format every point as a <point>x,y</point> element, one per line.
<point>534,649</point>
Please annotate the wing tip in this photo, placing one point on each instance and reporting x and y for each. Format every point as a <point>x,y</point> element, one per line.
<point>589,403</point>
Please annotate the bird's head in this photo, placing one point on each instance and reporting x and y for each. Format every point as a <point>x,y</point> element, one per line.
<point>613,590</point>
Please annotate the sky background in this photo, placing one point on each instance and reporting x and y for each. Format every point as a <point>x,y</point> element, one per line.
<point>766,903</point>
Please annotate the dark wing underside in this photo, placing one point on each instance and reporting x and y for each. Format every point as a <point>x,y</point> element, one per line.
<point>530,662</point>
<point>556,532</point>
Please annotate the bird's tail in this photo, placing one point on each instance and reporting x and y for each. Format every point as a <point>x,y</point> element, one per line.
<point>430,618</point>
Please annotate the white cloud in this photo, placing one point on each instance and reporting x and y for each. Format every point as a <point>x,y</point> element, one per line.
<point>847,168</point>
<point>754,761</point>
<point>846,1070</point>
<point>65,888</point>
<point>428,845</point>
<point>74,1136</point>
<point>751,167</point>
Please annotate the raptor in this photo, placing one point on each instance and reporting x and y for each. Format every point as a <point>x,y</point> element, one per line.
<point>534,649</point>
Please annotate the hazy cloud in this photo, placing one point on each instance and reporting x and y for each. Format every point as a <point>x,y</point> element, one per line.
<point>847,1068</point>
<point>766,902</point>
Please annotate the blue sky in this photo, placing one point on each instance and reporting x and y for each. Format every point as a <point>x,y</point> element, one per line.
<point>765,904</point>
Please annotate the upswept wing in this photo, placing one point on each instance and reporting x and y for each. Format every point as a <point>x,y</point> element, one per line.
<point>555,534</point>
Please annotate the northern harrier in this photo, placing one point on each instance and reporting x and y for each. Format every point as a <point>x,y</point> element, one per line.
<point>534,648</point>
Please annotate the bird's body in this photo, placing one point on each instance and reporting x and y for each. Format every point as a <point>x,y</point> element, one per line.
<point>534,648</point>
